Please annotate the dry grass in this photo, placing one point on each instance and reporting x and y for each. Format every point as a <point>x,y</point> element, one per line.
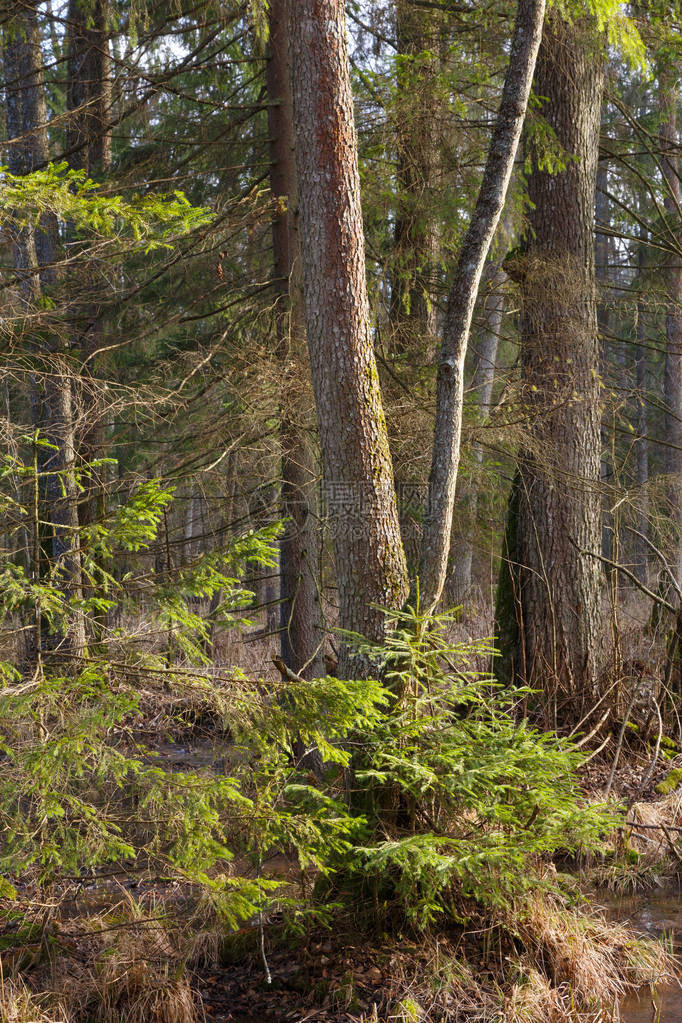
<point>127,964</point>
<point>598,958</point>
<point>134,990</point>
<point>547,963</point>
<point>645,853</point>
<point>551,963</point>
<point>535,998</point>
<point>657,817</point>
<point>19,1005</point>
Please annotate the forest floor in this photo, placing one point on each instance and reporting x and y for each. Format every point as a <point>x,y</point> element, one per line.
<point>170,966</point>
<point>343,976</point>
<point>175,966</point>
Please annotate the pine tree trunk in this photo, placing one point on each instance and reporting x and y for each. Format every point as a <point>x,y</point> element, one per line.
<point>302,635</point>
<point>358,474</point>
<point>88,93</point>
<point>52,408</point>
<point>559,504</point>
<point>602,253</point>
<point>62,495</point>
<point>194,524</point>
<point>88,143</point>
<point>673,321</point>
<point>641,566</point>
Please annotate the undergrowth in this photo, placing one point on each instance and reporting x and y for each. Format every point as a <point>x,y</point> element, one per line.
<point>436,808</point>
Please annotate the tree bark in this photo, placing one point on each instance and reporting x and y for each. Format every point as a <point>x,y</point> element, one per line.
<point>483,378</point>
<point>88,93</point>
<point>26,120</point>
<point>358,474</point>
<point>38,250</point>
<point>641,567</point>
<point>603,250</point>
<point>301,635</point>
<point>88,139</point>
<point>559,487</point>
<point>462,297</point>
<point>673,320</point>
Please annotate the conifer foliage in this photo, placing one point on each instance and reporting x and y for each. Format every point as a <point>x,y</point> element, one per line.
<point>308,323</point>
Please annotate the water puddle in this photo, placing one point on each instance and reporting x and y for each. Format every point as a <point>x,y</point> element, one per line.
<point>195,757</point>
<point>664,1006</point>
<point>659,915</point>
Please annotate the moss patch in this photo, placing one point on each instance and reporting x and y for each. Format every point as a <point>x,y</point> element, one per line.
<point>670,782</point>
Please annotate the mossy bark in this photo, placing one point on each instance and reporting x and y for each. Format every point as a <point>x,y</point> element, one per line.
<point>559,641</point>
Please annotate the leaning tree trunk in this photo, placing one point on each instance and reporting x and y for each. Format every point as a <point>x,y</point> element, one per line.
<point>51,406</point>
<point>559,528</point>
<point>358,475</point>
<point>301,635</point>
<point>673,319</point>
<point>462,298</point>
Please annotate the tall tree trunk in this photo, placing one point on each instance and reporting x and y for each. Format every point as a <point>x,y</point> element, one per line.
<point>413,311</point>
<point>462,297</point>
<point>358,475</point>
<point>302,635</point>
<point>88,93</point>
<point>27,118</point>
<point>603,253</point>
<point>641,566</point>
<point>673,319</point>
<point>483,378</point>
<point>195,526</point>
<point>62,495</point>
<point>559,528</point>
<point>88,140</point>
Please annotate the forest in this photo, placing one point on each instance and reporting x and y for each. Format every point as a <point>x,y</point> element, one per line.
<point>340,511</point>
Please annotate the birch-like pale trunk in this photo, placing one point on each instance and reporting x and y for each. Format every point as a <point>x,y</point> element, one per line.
<point>370,560</point>
<point>462,298</point>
